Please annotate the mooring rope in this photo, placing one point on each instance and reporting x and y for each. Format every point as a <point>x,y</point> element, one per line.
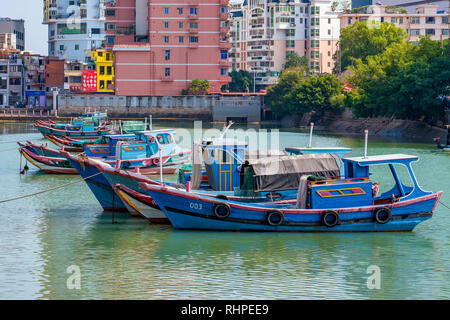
<point>9,149</point>
<point>48,190</point>
<point>444,204</point>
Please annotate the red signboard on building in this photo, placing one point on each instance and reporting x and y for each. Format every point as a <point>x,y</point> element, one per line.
<point>89,81</point>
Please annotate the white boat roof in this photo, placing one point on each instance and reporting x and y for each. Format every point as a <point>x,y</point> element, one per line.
<point>383,158</point>
<point>319,148</point>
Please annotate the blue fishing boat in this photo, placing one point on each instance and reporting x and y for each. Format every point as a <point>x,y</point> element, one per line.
<point>332,205</point>
<point>444,147</point>
<point>143,155</point>
<point>80,128</point>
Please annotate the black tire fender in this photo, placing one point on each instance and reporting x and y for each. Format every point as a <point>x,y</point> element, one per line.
<point>222,210</point>
<point>222,197</point>
<point>326,221</point>
<point>382,215</point>
<point>275,217</point>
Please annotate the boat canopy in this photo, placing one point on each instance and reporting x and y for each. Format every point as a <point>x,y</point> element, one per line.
<point>284,172</point>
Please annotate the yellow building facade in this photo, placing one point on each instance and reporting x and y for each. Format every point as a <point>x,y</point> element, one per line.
<point>104,62</point>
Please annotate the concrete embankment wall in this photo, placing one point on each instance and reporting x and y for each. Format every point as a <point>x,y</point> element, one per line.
<point>347,123</point>
<point>216,108</point>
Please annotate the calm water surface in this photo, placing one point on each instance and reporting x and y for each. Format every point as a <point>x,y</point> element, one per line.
<point>43,235</point>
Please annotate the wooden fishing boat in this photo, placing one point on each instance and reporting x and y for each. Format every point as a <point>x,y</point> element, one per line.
<point>85,129</point>
<point>444,147</point>
<point>143,155</point>
<point>334,205</point>
<point>46,159</point>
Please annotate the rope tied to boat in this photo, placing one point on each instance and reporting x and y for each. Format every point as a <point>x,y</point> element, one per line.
<point>444,204</point>
<point>48,190</point>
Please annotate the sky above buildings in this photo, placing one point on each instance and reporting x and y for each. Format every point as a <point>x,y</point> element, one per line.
<point>32,12</point>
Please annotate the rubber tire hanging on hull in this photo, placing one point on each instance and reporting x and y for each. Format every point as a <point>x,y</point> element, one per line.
<point>332,223</point>
<point>384,218</point>
<point>275,213</point>
<point>222,197</point>
<point>221,210</point>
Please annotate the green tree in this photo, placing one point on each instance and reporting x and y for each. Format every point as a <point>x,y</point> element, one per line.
<point>241,81</point>
<point>198,87</point>
<point>316,94</point>
<point>365,39</point>
<point>406,81</point>
<point>276,93</point>
<point>293,60</point>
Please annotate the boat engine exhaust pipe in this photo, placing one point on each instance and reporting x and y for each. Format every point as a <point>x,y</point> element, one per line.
<point>310,135</point>
<point>366,134</point>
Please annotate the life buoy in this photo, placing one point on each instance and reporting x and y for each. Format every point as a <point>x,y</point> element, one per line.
<point>275,217</point>
<point>330,218</point>
<point>222,210</point>
<point>156,161</point>
<point>221,196</point>
<point>382,215</point>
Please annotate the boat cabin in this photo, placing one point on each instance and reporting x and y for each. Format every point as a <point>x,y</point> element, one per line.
<point>357,189</point>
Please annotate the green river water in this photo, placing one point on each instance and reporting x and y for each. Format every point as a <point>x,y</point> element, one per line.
<point>41,236</point>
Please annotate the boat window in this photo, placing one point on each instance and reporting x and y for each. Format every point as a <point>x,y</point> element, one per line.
<point>153,146</point>
<point>164,138</point>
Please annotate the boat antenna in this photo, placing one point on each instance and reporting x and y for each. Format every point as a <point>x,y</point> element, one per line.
<point>160,167</point>
<point>310,134</point>
<point>366,133</point>
<point>225,129</point>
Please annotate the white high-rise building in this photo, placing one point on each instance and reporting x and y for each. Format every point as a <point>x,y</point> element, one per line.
<point>74,27</point>
<point>264,32</point>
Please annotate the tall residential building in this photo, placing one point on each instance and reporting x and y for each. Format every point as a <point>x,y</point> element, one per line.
<point>7,41</point>
<point>161,46</point>
<point>264,32</point>
<point>409,5</point>
<point>16,29</point>
<point>74,27</point>
<point>425,21</point>
<point>11,77</point>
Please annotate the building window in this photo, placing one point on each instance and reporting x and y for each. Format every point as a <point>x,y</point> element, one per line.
<point>314,54</point>
<point>180,10</point>
<point>414,32</point>
<point>61,47</point>
<point>329,32</point>
<point>181,25</point>
<point>108,57</point>
<point>109,70</point>
<point>445,32</point>
<point>349,20</point>
<point>102,84</point>
<point>166,24</point>
<point>110,12</point>
<point>315,32</point>
<point>110,26</point>
<point>167,72</point>
<point>329,20</point>
<point>445,20</point>
<point>329,42</point>
<point>166,39</point>
<point>223,54</point>
<point>429,31</point>
<point>429,20</point>
<point>193,25</point>
<point>193,39</point>
<point>166,10</point>
<point>110,40</point>
<point>415,20</point>
<point>95,30</point>
<point>193,11</point>
<point>102,70</point>
<point>394,20</point>
<point>223,71</point>
<point>180,39</point>
<point>329,53</point>
<point>77,47</point>
<point>167,55</point>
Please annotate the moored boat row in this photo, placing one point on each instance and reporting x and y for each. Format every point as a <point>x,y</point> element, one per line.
<point>228,187</point>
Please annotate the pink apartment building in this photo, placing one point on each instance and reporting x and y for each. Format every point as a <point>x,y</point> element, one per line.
<point>161,46</point>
